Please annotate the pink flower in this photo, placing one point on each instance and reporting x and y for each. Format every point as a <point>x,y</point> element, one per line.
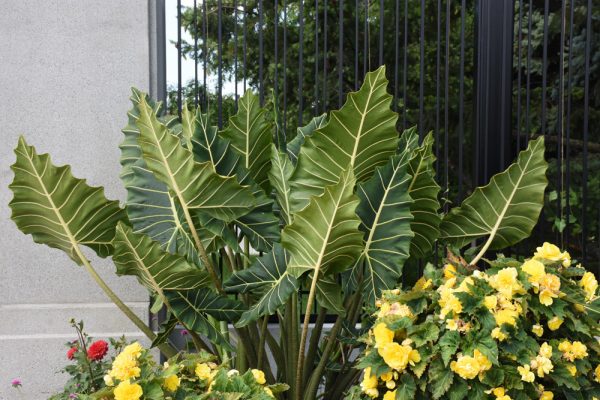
<point>184,332</point>
<point>16,383</point>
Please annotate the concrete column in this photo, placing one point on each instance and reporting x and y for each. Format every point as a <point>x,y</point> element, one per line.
<point>66,67</point>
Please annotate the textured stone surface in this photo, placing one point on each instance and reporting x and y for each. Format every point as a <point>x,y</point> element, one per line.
<point>67,66</point>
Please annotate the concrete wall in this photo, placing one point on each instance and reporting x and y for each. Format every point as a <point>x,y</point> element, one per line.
<point>65,71</point>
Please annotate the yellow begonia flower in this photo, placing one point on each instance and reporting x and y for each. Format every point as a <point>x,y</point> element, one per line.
<point>526,374</point>
<point>498,334</point>
<point>573,351</point>
<point>108,380</point>
<point>259,376</point>
<point>506,282</point>
<point>500,393</point>
<point>398,356</point>
<point>549,289</point>
<point>203,371</point>
<point>597,373</point>
<point>484,363</point>
<point>268,391</point>
<point>551,252</point>
<point>400,310</point>
<point>449,271</point>
<point>547,396</point>
<point>466,367</point>
<point>125,366</point>
<point>449,302</point>
<point>572,369</point>
<point>134,349</point>
<point>555,323</point>
<point>369,384</point>
<point>452,324</point>
<point>535,270</point>
<point>172,382</point>
<point>589,284</point>
<point>542,365</point>
<point>389,395</point>
<point>128,391</point>
<point>537,329</point>
<point>382,334</point>
<point>546,350</point>
<point>490,302</point>
<point>390,385</point>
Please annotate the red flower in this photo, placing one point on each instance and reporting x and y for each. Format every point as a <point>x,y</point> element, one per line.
<point>97,350</point>
<point>71,352</point>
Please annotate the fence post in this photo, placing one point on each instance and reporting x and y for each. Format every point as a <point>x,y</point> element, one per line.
<point>493,92</point>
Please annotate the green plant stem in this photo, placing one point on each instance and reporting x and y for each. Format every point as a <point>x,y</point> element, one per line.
<point>199,343</point>
<point>241,361</point>
<point>165,348</point>
<point>261,343</point>
<point>202,250</point>
<point>313,383</point>
<point>314,342</point>
<point>301,349</point>
<point>276,351</point>
<point>342,383</point>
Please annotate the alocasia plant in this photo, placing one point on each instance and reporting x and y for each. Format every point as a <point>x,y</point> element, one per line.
<point>211,213</point>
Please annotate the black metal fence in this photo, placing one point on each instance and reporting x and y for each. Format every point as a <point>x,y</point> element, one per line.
<point>485,76</point>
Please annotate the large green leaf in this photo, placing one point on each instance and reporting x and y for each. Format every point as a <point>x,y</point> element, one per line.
<point>506,209</point>
<point>362,134</point>
<point>250,135</point>
<point>293,147</point>
<point>329,294</point>
<point>192,308</point>
<point>384,211</point>
<point>151,209</point>
<point>268,277</point>
<point>260,225</point>
<point>423,190</point>
<point>195,185</point>
<point>138,255</point>
<point>59,210</point>
<point>279,175</point>
<point>324,236</point>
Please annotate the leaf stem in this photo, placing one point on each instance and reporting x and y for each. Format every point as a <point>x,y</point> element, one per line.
<point>165,348</point>
<point>261,343</point>
<point>300,363</point>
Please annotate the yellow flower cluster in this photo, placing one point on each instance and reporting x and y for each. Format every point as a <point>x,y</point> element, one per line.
<point>552,253</point>
<point>468,367</point>
<point>573,350</point>
<point>500,393</point>
<point>547,285</point>
<point>396,356</point>
<point>541,364</point>
<point>125,365</point>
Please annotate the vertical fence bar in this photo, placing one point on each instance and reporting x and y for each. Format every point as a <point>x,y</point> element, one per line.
<point>356,41</point>
<point>396,50</point>
<point>366,47</point>
<point>235,52</point>
<point>586,102</point>
<point>446,101</point>
<point>422,72</point>
<point>381,23</point>
<point>285,45</point>
<point>506,92</point>
<point>261,51</point>
<point>316,59</point>
<point>528,83</point>
<point>325,59</point>
<point>519,40</point>
<point>461,101</point>
<point>568,127</point>
<point>405,67</point>
<point>220,62</point>
<point>205,55</point>
<point>438,40</point>
<point>341,54</point>
<point>301,63</point>
<point>179,59</point>
<point>245,44</point>
<point>161,54</point>
<point>276,73</point>
<point>195,53</point>
<point>560,119</point>
<point>545,65</point>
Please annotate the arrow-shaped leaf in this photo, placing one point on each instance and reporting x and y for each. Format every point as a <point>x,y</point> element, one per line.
<point>195,185</point>
<point>506,209</point>
<point>362,135</point>
<point>423,190</point>
<point>384,211</point>
<point>59,210</point>
<point>293,147</point>
<point>250,135</point>
<point>138,255</point>
<point>268,277</point>
<point>324,236</point>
